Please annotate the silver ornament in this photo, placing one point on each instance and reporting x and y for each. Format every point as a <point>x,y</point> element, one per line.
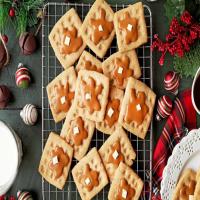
<point>29,114</point>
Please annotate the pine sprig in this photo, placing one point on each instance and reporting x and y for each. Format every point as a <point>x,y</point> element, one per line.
<point>4,17</point>
<point>188,65</point>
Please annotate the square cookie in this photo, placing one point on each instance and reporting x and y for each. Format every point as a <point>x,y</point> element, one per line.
<point>89,62</point>
<point>130,27</point>
<point>120,66</point>
<point>187,182</point>
<point>197,188</point>
<point>90,175</point>
<point>137,108</point>
<point>61,93</point>
<point>97,29</point>
<point>56,161</point>
<point>117,148</point>
<point>78,132</point>
<point>126,184</point>
<point>91,95</point>
<point>110,122</point>
<point>66,40</point>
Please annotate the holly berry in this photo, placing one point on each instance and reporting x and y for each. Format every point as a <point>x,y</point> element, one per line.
<point>12,12</point>
<point>5,38</point>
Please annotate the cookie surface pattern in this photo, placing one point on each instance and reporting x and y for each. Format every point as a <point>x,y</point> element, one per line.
<point>66,40</point>
<point>97,29</point>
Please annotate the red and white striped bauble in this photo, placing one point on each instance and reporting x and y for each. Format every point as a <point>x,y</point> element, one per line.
<point>22,76</point>
<point>164,107</point>
<point>24,196</point>
<point>171,82</point>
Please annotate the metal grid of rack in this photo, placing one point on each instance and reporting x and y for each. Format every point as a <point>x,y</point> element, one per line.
<point>51,68</point>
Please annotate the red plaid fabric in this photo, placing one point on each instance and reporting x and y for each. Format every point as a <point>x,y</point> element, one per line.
<point>183,116</point>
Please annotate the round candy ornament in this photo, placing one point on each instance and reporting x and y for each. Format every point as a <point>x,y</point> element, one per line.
<point>22,77</point>
<point>24,195</point>
<point>5,96</point>
<point>29,114</point>
<point>171,82</point>
<point>27,43</point>
<point>164,107</point>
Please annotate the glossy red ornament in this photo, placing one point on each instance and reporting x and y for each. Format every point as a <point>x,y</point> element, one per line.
<point>5,38</point>
<point>12,12</point>
<point>171,82</point>
<point>164,107</point>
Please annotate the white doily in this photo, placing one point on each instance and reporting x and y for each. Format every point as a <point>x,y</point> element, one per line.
<point>183,156</point>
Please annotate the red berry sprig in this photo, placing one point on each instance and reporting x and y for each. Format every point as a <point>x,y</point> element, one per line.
<point>12,12</point>
<point>180,37</point>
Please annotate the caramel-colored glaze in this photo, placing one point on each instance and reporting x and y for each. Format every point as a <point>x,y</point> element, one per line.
<point>92,175</point>
<point>114,104</point>
<point>130,191</point>
<point>116,147</point>
<point>127,72</point>
<point>131,36</point>
<point>90,66</point>
<point>75,41</point>
<point>187,190</point>
<point>83,134</point>
<point>63,160</point>
<point>132,114</point>
<point>62,91</point>
<point>106,25</point>
<point>93,104</point>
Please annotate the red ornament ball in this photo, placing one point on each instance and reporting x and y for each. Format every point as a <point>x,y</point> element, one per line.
<point>171,82</point>
<point>5,38</point>
<point>12,12</point>
<point>164,107</point>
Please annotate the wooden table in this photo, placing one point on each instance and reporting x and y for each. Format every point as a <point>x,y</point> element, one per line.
<point>28,177</point>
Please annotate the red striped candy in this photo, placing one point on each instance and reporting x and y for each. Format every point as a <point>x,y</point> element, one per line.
<point>164,107</point>
<point>171,82</point>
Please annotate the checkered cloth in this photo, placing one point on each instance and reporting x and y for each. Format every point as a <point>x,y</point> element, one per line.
<point>183,116</point>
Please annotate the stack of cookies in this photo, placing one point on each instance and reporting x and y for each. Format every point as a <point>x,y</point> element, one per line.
<point>103,95</point>
<point>188,186</point>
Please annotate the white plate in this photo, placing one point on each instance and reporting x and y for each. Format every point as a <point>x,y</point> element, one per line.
<point>186,154</point>
<point>10,156</point>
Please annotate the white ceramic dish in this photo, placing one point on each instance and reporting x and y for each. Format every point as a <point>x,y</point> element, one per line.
<point>10,156</point>
<point>193,84</point>
<point>186,154</point>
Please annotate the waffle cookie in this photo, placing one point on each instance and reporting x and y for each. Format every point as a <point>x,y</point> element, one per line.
<point>91,95</point>
<point>97,29</point>
<point>56,160</point>
<point>117,148</point>
<point>137,108</point>
<point>120,66</point>
<point>89,175</point>
<point>196,195</point>
<point>185,186</point>
<point>61,92</point>
<point>130,27</point>
<point>78,132</point>
<point>126,184</point>
<point>89,62</point>
<point>66,40</point>
<point>110,122</point>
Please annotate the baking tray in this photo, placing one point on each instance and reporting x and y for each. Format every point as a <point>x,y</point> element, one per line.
<point>51,68</point>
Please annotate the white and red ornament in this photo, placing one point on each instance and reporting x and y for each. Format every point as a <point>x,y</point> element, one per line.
<point>29,114</point>
<point>171,82</point>
<point>164,107</point>
<point>22,76</point>
<point>24,195</point>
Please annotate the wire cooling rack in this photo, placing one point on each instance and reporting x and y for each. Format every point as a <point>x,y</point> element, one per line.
<point>51,68</point>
